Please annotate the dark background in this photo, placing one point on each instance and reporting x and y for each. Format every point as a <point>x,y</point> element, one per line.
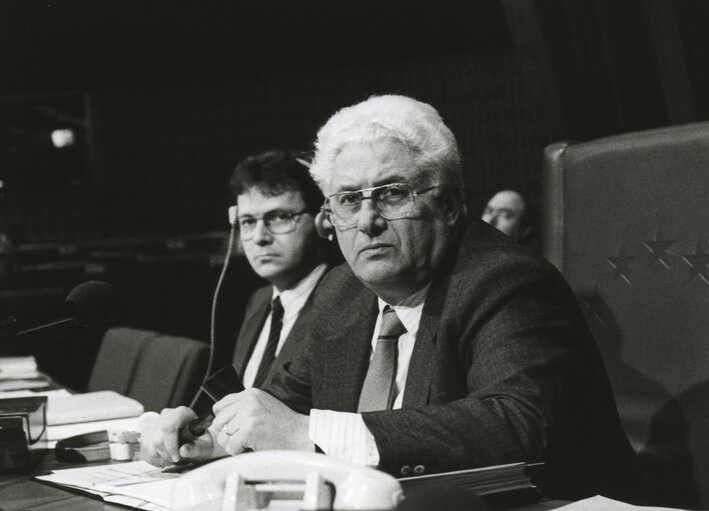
<point>166,97</point>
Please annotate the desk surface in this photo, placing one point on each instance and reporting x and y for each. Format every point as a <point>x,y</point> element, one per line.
<point>21,493</point>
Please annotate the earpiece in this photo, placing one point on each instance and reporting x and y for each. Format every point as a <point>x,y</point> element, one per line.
<point>232,215</point>
<point>324,227</point>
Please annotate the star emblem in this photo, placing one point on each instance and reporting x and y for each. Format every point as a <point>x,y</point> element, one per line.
<point>699,262</point>
<point>595,304</point>
<point>658,249</point>
<point>620,264</point>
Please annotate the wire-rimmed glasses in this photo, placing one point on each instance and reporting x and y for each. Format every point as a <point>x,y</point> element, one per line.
<point>392,201</point>
<point>276,222</point>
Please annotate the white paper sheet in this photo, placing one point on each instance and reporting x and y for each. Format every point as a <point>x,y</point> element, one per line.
<point>599,503</point>
<point>134,483</point>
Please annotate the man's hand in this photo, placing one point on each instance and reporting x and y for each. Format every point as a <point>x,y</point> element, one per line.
<point>159,444</point>
<point>253,419</point>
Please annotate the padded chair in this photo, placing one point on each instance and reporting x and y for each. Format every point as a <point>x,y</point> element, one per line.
<point>117,359</point>
<point>626,220</point>
<point>155,369</point>
<point>169,372</point>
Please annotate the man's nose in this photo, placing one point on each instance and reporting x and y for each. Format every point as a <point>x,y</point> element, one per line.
<point>262,235</point>
<point>370,221</point>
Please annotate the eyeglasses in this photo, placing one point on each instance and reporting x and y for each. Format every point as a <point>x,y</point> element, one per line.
<point>276,222</point>
<point>393,201</point>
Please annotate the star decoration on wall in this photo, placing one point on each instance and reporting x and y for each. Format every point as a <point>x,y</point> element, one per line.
<point>658,249</point>
<point>595,304</point>
<point>620,264</point>
<point>699,262</point>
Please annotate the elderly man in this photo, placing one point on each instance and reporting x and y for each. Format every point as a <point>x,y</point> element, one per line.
<point>439,345</point>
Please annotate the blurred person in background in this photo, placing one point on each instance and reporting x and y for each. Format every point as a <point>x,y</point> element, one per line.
<point>510,212</point>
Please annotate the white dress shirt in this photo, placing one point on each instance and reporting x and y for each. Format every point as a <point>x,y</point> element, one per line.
<point>343,434</point>
<point>292,301</point>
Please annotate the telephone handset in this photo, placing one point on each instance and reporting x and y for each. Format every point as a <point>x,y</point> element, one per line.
<point>303,480</point>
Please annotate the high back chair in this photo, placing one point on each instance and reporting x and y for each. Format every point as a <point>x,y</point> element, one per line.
<point>157,370</point>
<point>169,372</point>
<point>626,220</point>
<point>117,359</point>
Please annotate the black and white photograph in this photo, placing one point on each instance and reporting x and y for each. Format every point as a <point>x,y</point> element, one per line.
<point>376,255</point>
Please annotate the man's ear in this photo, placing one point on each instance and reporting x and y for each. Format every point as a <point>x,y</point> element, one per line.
<point>452,207</point>
<point>324,227</point>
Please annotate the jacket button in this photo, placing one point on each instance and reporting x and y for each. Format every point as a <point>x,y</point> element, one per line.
<point>419,469</point>
<point>405,470</point>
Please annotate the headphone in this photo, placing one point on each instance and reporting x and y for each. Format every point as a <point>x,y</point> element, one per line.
<point>324,227</point>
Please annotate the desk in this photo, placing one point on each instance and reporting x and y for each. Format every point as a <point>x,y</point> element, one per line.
<point>20,493</point>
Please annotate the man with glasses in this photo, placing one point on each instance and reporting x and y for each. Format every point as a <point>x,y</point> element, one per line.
<point>276,202</point>
<point>440,345</point>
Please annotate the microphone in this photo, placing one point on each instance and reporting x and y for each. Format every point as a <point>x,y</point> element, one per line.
<point>88,304</point>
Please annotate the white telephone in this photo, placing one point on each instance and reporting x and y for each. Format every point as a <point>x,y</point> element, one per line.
<point>284,480</point>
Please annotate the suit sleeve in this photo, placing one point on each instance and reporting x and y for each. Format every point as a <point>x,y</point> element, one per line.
<point>512,334</point>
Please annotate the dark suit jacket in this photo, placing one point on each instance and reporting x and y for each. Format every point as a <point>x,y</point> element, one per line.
<point>257,311</point>
<point>503,370</point>
<point>229,321</point>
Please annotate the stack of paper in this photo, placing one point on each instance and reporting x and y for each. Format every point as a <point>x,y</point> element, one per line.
<point>135,484</point>
<point>18,367</point>
<point>92,406</point>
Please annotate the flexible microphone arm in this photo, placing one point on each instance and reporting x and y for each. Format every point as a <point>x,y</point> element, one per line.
<point>88,304</point>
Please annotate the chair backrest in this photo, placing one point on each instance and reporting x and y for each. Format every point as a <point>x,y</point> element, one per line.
<point>117,359</point>
<point>169,372</point>
<point>626,220</point>
<point>156,369</point>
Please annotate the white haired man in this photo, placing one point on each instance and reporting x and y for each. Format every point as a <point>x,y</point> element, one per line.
<point>439,345</point>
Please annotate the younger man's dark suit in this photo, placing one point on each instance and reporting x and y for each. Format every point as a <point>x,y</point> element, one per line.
<point>503,370</point>
<point>257,310</point>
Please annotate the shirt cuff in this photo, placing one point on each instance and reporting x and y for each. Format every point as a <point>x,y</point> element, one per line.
<point>344,436</point>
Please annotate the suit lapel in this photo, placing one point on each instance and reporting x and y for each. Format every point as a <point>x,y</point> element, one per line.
<point>251,328</point>
<point>348,351</point>
<point>418,379</point>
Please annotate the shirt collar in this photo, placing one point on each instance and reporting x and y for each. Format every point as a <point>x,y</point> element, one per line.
<point>294,298</point>
<point>409,309</point>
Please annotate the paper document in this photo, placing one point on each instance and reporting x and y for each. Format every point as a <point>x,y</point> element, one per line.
<point>18,367</point>
<point>14,384</point>
<point>56,433</point>
<point>51,394</point>
<point>136,483</point>
<point>92,406</point>
<point>599,503</point>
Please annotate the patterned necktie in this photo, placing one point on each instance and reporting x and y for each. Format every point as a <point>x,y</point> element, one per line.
<point>269,354</point>
<point>378,391</point>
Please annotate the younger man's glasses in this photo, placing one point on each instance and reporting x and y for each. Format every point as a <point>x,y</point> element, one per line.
<point>275,222</point>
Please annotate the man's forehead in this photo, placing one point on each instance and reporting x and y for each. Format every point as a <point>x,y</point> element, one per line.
<point>506,200</point>
<point>361,166</point>
<point>255,201</point>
